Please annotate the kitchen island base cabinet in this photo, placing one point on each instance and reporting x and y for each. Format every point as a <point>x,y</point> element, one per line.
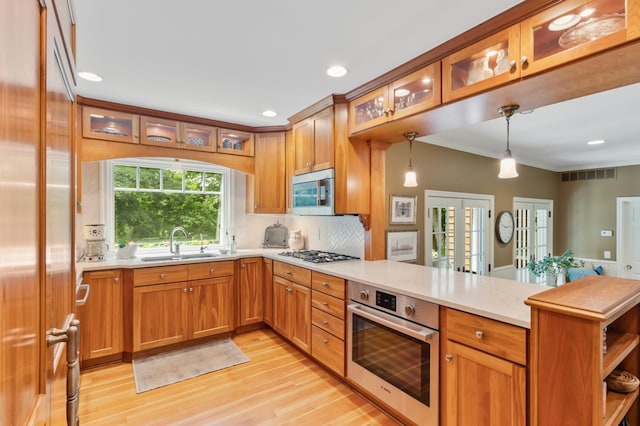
<point>484,371</point>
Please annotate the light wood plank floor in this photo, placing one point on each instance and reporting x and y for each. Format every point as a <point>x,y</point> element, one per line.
<point>279,386</point>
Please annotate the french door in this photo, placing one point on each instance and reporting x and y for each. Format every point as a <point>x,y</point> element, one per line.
<point>628,241</point>
<point>458,233</point>
<point>534,230</point>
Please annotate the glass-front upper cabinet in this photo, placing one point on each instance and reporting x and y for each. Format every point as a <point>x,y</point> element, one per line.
<point>416,92</point>
<point>577,28</point>
<point>159,132</point>
<point>197,137</point>
<point>98,123</point>
<point>409,95</point>
<point>481,66</point>
<point>235,142</point>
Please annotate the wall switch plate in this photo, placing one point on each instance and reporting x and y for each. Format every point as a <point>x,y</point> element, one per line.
<point>607,254</point>
<point>606,233</point>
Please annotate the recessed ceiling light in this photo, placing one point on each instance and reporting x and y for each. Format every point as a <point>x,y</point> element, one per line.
<point>596,142</point>
<point>337,71</point>
<point>89,76</point>
<point>269,113</point>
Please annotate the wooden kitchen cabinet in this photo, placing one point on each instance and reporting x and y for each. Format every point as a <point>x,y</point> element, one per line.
<point>267,281</point>
<point>483,65</point>
<point>116,126</point>
<point>575,29</point>
<point>576,342</point>
<point>176,134</point>
<point>235,142</point>
<point>251,291</point>
<point>416,92</point>
<point>313,138</point>
<point>173,304</point>
<point>266,187</point>
<point>328,321</point>
<point>292,304</point>
<point>101,317</point>
<point>485,375</point>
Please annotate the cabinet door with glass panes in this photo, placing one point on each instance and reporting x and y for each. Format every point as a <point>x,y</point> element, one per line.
<point>103,124</point>
<point>484,65</point>
<point>577,28</point>
<point>175,134</point>
<point>416,92</point>
<point>235,142</point>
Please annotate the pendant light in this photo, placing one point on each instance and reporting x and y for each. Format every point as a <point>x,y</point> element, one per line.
<point>410,175</point>
<point>508,163</point>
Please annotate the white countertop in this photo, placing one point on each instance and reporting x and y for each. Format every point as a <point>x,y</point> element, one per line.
<point>490,297</point>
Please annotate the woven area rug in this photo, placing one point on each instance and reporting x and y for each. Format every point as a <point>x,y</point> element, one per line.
<point>164,369</point>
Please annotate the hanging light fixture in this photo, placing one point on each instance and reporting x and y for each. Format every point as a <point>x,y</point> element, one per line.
<point>508,163</point>
<point>410,175</point>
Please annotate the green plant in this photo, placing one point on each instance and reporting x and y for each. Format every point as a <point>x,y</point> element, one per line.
<point>554,264</point>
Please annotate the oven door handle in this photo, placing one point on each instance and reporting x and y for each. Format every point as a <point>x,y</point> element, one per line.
<point>398,324</point>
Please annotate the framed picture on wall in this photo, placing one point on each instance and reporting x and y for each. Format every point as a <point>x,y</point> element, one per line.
<point>402,245</point>
<point>403,209</point>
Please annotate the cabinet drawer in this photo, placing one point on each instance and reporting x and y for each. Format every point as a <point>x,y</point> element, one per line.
<point>293,273</point>
<point>328,284</point>
<point>328,304</point>
<point>328,323</point>
<point>495,337</point>
<point>327,349</point>
<point>160,275</point>
<point>199,271</point>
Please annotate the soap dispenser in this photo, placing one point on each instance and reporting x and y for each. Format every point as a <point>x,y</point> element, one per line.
<point>234,247</point>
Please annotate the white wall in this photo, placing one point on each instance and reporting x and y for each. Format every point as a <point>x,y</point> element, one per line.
<point>340,234</point>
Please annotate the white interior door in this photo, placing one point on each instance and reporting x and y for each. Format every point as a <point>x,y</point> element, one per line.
<point>534,230</point>
<point>628,241</point>
<point>459,231</point>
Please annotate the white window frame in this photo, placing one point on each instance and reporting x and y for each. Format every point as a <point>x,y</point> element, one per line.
<point>108,188</point>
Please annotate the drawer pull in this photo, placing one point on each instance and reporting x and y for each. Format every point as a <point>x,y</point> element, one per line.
<point>325,304</point>
<point>325,341</point>
<point>213,269</point>
<point>479,334</point>
<point>325,322</point>
<point>325,284</point>
<point>448,357</point>
<point>184,290</point>
<point>289,289</point>
<point>162,276</point>
<point>289,273</point>
<point>116,280</point>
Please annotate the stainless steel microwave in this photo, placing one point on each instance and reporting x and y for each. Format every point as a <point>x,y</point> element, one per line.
<point>313,193</point>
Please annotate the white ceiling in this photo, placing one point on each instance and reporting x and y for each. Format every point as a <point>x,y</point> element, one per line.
<point>231,60</point>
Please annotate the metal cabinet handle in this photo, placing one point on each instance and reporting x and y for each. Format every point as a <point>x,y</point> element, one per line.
<point>325,304</point>
<point>162,276</point>
<point>325,322</point>
<point>87,289</point>
<point>289,289</point>
<point>325,284</point>
<point>448,357</point>
<point>190,289</point>
<point>512,64</point>
<point>213,269</point>
<point>289,273</point>
<point>116,280</point>
<point>70,335</point>
<point>244,266</point>
<point>325,341</point>
<point>479,334</point>
<point>524,60</point>
<point>184,290</point>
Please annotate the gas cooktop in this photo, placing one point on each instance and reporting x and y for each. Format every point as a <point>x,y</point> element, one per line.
<point>317,256</point>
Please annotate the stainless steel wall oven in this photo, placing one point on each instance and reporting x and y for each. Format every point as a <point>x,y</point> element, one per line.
<point>392,350</point>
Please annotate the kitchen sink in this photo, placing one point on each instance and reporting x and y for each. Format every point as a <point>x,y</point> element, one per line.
<point>177,257</point>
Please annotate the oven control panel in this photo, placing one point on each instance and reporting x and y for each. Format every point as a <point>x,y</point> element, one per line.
<point>402,306</point>
<point>386,300</point>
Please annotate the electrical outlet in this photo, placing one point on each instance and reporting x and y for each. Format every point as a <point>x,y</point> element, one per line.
<point>607,254</point>
<point>606,233</point>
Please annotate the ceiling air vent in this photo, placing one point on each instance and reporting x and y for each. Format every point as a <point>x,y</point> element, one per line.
<point>594,174</point>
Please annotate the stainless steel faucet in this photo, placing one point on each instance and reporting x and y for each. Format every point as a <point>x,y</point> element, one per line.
<point>177,248</point>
